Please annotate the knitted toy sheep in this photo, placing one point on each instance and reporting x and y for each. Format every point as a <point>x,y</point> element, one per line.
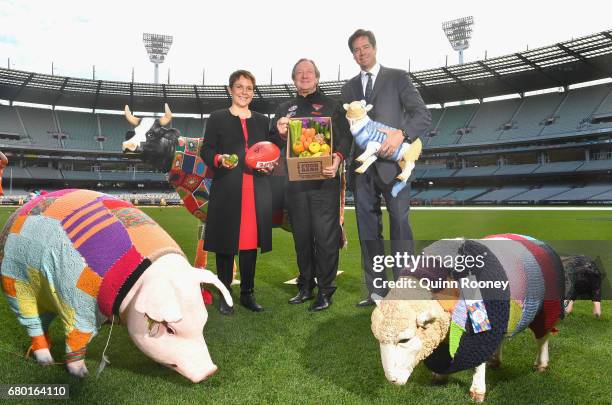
<point>453,329</point>
<point>368,136</point>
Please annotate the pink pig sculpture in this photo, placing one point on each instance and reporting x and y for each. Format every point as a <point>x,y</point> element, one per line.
<point>85,257</point>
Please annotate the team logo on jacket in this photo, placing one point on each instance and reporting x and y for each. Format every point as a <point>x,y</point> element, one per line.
<point>317,107</point>
<point>292,108</point>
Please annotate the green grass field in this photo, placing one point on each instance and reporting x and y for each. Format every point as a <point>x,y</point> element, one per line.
<point>288,355</point>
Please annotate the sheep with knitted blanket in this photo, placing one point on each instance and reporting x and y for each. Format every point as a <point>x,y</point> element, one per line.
<point>85,257</point>
<point>368,136</point>
<point>453,317</point>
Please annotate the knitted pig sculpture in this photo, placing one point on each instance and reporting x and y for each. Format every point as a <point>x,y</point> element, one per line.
<point>84,257</point>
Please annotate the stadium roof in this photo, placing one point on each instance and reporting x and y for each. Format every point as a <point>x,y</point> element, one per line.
<point>562,64</point>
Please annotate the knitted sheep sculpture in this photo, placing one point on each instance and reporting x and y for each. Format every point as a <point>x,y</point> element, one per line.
<point>450,325</point>
<point>368,136</point>
<point>84,256</point>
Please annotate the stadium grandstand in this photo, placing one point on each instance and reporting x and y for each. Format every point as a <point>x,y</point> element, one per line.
<point>532,127</point>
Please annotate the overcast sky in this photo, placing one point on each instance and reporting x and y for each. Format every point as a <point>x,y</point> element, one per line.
<point>221,36</point>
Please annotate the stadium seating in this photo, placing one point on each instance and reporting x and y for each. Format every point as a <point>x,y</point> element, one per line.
<point>113,128</point>
<point>487,124</point>
<point>434,172</point>
<point>16,173</point>
<point>476,171</point>
<point>466,194</point>
<point>40,126</point>
<point>10,125</point>
<point>451,120</point>
<point>80,175</point>
<point>596,165</point>
<point>81,130</point>
<point>539,194</point>
<point>47,173</point>
<point>528,121</point>
<point>507,170</point>
<point>581,193</point>
<point>576,109</point>
<point>558,167</point>
<point>501,194</point>
<point>432,194</point>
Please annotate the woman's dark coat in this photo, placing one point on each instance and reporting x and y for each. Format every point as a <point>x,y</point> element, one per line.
<point>223,135</point>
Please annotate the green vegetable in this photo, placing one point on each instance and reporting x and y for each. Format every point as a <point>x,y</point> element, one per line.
<point>233,159</point>
<point>305,154</point>
<point>295,130</point>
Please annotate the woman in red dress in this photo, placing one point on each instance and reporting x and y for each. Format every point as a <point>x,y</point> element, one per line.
<point>240,205</point>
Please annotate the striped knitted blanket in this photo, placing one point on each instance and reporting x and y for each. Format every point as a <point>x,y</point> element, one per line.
<point>76,253</point>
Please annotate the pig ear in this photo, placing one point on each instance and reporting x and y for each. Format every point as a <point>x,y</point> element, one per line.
<point>346,106</point>
<point>158,300</point>
<point>208,277</point>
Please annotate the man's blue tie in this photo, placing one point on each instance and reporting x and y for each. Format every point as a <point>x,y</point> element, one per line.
<point>368,89</point>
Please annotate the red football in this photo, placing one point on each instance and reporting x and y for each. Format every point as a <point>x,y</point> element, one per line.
<point>262,155</point>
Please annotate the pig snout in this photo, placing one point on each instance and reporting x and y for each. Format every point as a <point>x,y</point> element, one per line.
<point>201,376</point>
<point>196,371</point>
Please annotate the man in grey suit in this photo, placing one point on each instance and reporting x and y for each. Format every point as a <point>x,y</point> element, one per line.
<point>398,104</point>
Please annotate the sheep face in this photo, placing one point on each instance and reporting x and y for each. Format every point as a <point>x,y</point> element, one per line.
<point>408,332</point>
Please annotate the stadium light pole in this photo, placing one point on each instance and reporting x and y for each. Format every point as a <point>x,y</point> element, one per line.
<point>157,46</point>
<point>459,33</point>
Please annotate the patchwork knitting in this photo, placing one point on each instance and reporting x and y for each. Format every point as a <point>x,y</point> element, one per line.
<point>535,276</point>
<point>190,176</point>
<point>76,253</point>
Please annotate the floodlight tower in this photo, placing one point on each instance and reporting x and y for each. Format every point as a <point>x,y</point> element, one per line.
<point>459,33</point>
<point>157,47</point>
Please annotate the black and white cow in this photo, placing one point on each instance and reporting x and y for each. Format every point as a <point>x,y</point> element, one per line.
<point>151,139</point>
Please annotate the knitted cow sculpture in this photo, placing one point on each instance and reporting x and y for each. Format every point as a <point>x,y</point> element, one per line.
<point>84,257</point>
<point>368,136</point>
<point>453,326</point>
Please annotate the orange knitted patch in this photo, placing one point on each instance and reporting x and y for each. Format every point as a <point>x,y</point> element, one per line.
<point>67,203</point>
<point>40,342</point>
<point>18,223</point>
<point>8,285</point>
<point>77,340</point>
<point>149,239</point>
<point>89,282</point>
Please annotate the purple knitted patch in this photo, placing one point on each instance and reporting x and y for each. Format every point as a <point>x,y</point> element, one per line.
<point>84,217</point>
<point>105,247</point>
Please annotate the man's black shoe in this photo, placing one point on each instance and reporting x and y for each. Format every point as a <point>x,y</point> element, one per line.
<point>368,302</point>
<point>301,297</point>
<point>322,302</point>
<point>225,309</point>
<point>248,301</point>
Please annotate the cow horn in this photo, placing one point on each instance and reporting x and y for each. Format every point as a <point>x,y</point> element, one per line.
<point>131,119</point>
<point>165,120</point>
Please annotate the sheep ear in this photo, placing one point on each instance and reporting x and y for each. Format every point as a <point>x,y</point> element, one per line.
<point>376,298</point>
<point>424,318</point>
<point>363,102</point>
<point>346,106</point>
<point>369,107</point>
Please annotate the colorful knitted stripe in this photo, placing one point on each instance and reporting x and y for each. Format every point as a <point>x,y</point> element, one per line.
<point>525,276</point>
<point>552,272</point>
